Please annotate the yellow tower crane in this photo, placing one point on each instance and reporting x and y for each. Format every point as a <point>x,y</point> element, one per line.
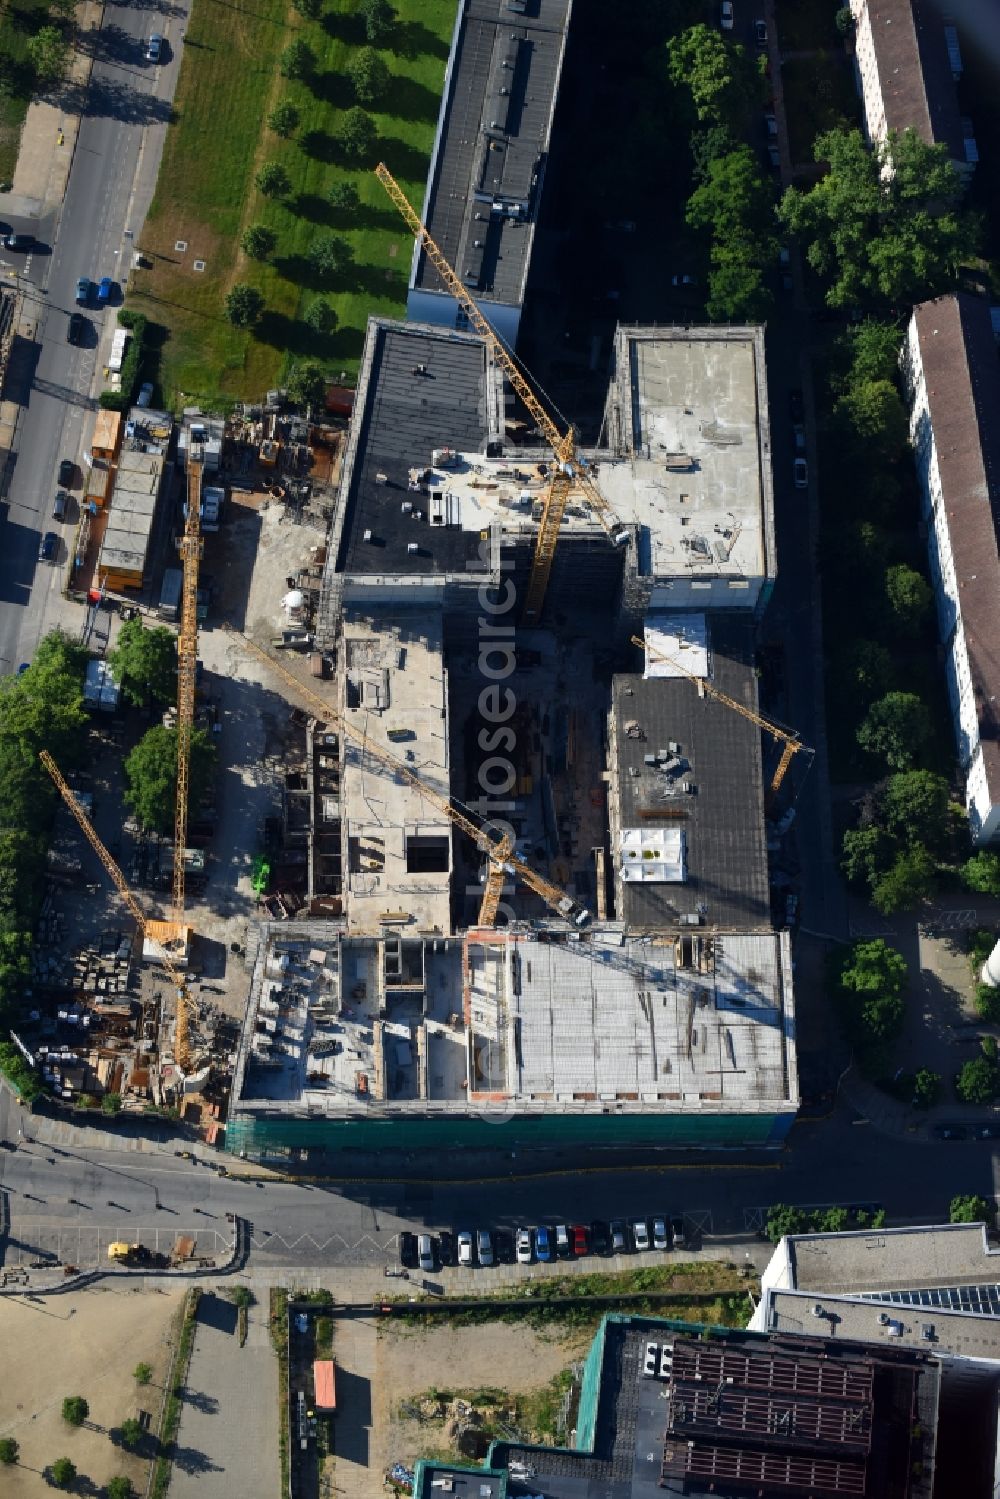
<point>185,1004</point>
<point>494,842</point>
<point>190,548</point>
<point>572,471</point>
<point>790,742</point>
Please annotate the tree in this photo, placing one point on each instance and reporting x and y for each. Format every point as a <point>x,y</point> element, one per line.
<point>707,146</point>
<point>926,1088</point>
<point>871,416</point>
<point>62,1472</point>
<point>379,18</point>
<point>865,854</point>
<point>971,1209</point>
<point>119,1487</point>
<point>272,180</point>
<point>872,349</point>
<point>987,1002</point>
<point>320,316</point>
<point>306,383</point>
<point>910,880</point>
<point>244,305</point>
<point>869,669</point>
<point>723,82</point>
<point>8,1451</point>
<point>284,118</point>
<point>145,662</point>
<point>328,254</point>
<point>977,1081</point>
<point>357,134</point>
<point>48,52</point>
<point>736,290</point>
<point>75,1410</point>
<point>883,223</point>
<point>897,727</point>
<point>844,20</point>
<point>982,873</point>
<point>142,1373</point>
<point>915,806</point>
<point>130,1433</point>
<point>734,202</point>
<point>910,598</point>
<point>872,979</point>
<point>369,75</point>
<point>242,1297</point>
<point>151,775</point>
<point>343,196</point>
<point>298,61</point>
<point>258,241</point>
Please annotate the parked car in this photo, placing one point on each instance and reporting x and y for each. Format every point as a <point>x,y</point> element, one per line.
<point>60,505</point>
<point>760,34</point>
<point>578,1240</point>
<point>726,17</point>
<point>425,1253</point>
<point>800,473</point>
<point>543,1244</point>
<point>145,395</point>
<point>67,472</point>
<point>562,1243</point>
<point>682,280</point>
<point>446,1247</point>
<point>799,437</point>
<point>154,47</point>
<point>600,1238</point>
<point>15,241</point>
<point>987,1131</point>
<point>104,288</point>
<point>77,323</point>
<point>619,1237</point>
<point>770,122</point>
<point>484,1246</point>
<point>464,1241</point>
<point>47,548</point>
<point>301,1323</point>
<point>677,1231</point>
<point>523,1246</point>
<point>661,1233</point>
<point>83,290</point>
<point>640,1233</point>
<point>951,1132</point>
<point>503,1246</point>
<point>795,405</point>
<point>408,1250</point>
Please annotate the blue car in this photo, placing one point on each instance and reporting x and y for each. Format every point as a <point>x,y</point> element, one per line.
<point>543,1245</point>
<point>104,291</point>
<point>83,290</point>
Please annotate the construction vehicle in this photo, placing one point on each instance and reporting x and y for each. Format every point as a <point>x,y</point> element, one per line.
<point>790,742</point>
<point>151,930</point>
<point>495,842</point>
<point>572,471</point>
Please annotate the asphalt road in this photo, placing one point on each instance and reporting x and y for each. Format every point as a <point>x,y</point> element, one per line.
<point>52,379</point>
<point>73,1202</point>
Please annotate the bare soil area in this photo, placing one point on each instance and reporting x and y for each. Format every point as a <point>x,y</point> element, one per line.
<point>87,1345</point>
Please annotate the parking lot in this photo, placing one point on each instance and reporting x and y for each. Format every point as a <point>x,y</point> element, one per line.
<point>544,1244</point>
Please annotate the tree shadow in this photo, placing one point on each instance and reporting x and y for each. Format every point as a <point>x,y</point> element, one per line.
<point>404,161</point>
<point>343,28</point>
<point>293,336</point>
<point>316,209</point>
<point>333,88</point>
<point>409,100</point>
<point>413,39</point>
<point>320,145</point>
<point>200,1400</point>
<point>190,1460</point>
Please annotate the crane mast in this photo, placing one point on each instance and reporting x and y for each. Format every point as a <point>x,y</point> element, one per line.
<point>184,1000</point>
<point>791,743</point>
<point>190,548</point>
<point>495,842</point>
<point>572,471</point>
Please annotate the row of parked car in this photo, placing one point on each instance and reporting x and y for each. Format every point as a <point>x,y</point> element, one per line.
<point>525,1246</point>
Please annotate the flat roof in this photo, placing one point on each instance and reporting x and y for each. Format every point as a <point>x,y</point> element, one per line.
<point>394,690</point>
<point>689,449</point>
<point>419,388</point>
<point>886,1258</point>
<point>493,136</point>
<point>132,511</point>
<point>930,1329</point>
<point>719,817</point>
<point>584,1022</point>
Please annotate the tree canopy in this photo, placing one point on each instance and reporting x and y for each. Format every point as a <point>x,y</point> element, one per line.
<point>369,75</point>
<point>298,60</point>
<point>357,134</point>
<point>48,53</point>
<point>63,1472</point>
<point>872,977</point>
<point>244,305</point>
<point>284,118</point>
<point>151,775</point>
<point>910,598</point>
<point>897,728</point>
<point>915,805</point>
<point>910,879</point>
<point>75,1410</point>
<point>306,383</point>
<point>258,241</point>
<point>145,662</point>
<point>982,873</point>
<point>978,1081</point>
<point>883,224</point>
<point>379,18</point>
<point>328,254</point>
<point>272,180</point>
<point>720,77</point>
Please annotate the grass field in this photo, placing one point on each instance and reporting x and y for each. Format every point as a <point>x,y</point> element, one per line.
<point>205,195</point>
<point>17,24</point>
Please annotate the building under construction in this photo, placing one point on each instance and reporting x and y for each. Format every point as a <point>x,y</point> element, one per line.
<point>611,974</point>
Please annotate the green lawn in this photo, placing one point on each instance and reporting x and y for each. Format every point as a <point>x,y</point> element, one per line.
<point>819,95</point>
<point>205,195</point>
<point>17,24</point>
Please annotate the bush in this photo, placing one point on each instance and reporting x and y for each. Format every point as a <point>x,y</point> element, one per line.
<point>244,305</point>
<point>75,1410</point>
<point>63,1472</point>
<point>258,241</point>
<point>242,1297</point>
<point>8,1451</point>
<point>977,1081</point>
<point>988,1003</point>
<point>130,1433</point>
<point>142,1373</point>
<point>926,1088</point>
<point>111,1103</point>
<point>121,400</point>
<point>17,1072</point>
<point>971,1209</point>
<point>119,1487</point>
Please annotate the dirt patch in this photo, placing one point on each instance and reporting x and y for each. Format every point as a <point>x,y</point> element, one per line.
<point>408,1363</point>
<point>80,1345</point>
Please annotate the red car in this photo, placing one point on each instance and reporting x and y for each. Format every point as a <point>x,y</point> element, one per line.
<point>578,1239</point>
